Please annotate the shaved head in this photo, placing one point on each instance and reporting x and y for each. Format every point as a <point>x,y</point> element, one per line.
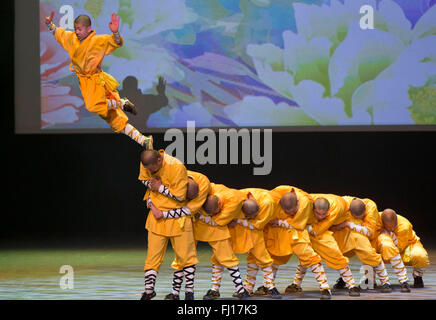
<point>149,157</point>
<point>389,215</point>
<point>151,160</point>
<point>321,208</point>
<point>212,204</point>
<point>288,200</point>
<point>389,219</point>
<point>357,208</point>
<point>321,204</point>
<point>192,190</point>
<point>250,207</point>
<point>289,203</point>
<point>84,20</point>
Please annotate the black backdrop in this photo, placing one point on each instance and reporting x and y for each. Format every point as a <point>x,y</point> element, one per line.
<point>71,189</point>
<point>67,188</point>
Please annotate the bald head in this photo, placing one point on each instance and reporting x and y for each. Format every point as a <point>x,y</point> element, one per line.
<point>151,160</point>
<point>149,157</point>
<point>357,208</point>
<point>212,205</point>
<point>289,203</point>
<point>389,219</point>
<point>84,20</point>
<point>192,190</point>
<point>321,207</point>
<point>250,208</point>
<point>321,204</point>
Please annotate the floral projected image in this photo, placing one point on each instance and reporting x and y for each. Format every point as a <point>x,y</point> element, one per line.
<point>252,63</point>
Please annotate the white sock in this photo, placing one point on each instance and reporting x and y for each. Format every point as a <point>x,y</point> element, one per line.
<point>250,278</point>
<point>217,274</point>
<point>320,276</point>
<point>399,268</point>
<point>134,134</point>
<point>299,275</point>
<point>347,276</point>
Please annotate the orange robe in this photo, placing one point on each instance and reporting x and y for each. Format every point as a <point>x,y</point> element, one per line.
<point>96,86</point>
<point>174,176</point>
<point>405,242</point>
<point>216,232</point>
<point>249,240</point>
<point>281,242</point>
<point>322,238</point>
<point>357,240</point>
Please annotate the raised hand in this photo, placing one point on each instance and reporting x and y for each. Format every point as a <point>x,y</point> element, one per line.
<point>49,19</point>
<point>115,23</point>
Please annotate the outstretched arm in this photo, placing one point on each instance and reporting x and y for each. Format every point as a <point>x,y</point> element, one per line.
<point>65,38</point>
<point>49,22</point>
<point>170,214</point>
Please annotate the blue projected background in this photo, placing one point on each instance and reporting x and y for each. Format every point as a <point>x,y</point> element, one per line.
<point>273,63</point>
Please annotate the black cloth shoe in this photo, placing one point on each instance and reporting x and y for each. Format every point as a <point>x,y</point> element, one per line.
<point>236,294</point>
<point>274,293</point>
<point>354,292</point>
<point>293,288</point>
<point>148,296</point>
<point>326,294</point>
<point>189,295</point>
<point>129,106</point>
<point>261,291</point>
<point>417,282</point>
<point>405,287</point>
<point>172,297</point>
<point>386,288</point>
<point>339,285</point>
<point>243,295</point>
<point>211,295</point>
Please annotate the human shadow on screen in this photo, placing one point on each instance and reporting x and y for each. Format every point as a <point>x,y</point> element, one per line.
<point>145,104</point>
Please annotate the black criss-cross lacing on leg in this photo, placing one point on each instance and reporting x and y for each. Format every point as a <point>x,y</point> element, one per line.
<point>236,278</point>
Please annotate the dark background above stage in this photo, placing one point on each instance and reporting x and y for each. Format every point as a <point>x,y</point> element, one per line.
<point>64,188</point>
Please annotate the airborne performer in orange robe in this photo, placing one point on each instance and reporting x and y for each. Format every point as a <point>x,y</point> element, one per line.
<point>87,50</point>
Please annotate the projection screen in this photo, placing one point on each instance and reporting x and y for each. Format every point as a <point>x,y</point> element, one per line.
<point>287,65</point>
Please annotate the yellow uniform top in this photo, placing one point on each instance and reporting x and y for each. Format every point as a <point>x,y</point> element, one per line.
<point>243,238</point>
<point>173,175</point>
<point>371,220</point>
<point>404,233</point>
<point>336,214</point>
<point>230,205</point>
<point>300,219</point>
<point>86,56</point>
<point>194,205</point>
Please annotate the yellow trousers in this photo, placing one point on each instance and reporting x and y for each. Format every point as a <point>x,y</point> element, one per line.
<point>258,254</point>
<point>222,255</point>
<point>413,255</point>
<point>183,245</point>
<point>326,246</point>
<point>351,243</point>
<point>302,248</point>
<point>96,90</point>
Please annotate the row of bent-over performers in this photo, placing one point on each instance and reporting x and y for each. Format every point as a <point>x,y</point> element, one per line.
<point>269,226</point>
